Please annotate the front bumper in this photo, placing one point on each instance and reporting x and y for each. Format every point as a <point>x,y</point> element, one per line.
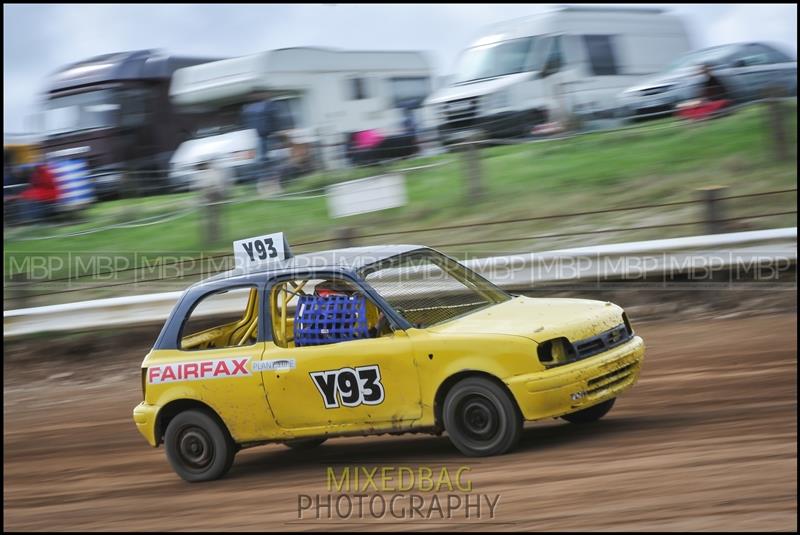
<point>576,386</point>
<point>144,416</point>
<point>495,125</point>
<point>644,111</point>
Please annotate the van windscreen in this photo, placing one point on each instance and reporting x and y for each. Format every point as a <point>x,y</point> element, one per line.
<point>493,60</point>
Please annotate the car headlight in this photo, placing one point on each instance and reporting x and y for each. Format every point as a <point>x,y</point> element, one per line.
<point>627,322</point>
<point>556,351</point>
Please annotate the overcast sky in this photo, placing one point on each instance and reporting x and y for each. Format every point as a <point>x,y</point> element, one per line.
<point>37,39</point>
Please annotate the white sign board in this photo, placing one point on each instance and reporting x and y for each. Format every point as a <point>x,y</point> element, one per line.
<point>366,195</point>
<point>254,252</point>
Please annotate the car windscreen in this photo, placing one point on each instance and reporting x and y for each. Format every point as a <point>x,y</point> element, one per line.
<point>428,288</point>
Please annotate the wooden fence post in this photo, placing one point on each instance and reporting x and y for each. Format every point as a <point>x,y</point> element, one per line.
<point>713,210</point>
<point>345,237</point>
<point>777,126</point>
<point>472,169</point>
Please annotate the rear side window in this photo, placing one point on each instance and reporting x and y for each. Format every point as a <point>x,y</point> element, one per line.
<point>757,54</point>
<point>602,58</point>
<point>227,318</point>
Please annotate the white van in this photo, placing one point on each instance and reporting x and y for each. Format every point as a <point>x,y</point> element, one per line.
<point>331,94</point>
<point>528,71</point>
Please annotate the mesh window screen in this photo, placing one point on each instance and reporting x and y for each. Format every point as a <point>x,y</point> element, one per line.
<point>326,320</point>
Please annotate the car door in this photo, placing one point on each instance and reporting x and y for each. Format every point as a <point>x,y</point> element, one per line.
<point>219,344</point>
<point>363,383</point>
<point>557,77</point>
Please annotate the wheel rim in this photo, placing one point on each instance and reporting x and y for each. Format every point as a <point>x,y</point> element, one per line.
<point>478,418</point>
<point>195,448</point>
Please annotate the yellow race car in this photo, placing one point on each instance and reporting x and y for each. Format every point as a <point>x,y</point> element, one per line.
<point>372,340</point>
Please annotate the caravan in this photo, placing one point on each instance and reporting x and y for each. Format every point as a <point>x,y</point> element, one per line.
<point>325,97</point>
<point>572,60</point>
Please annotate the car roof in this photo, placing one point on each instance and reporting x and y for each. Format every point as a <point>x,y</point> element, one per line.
<point>350,259</point>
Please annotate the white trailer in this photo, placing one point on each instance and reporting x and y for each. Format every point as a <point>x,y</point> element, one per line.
<point>527,71</point>
<point>328,93</point>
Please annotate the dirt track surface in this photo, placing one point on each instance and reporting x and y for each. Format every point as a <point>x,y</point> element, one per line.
<point>707,440</point>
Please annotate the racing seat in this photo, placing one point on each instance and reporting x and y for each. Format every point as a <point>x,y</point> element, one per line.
<point>320,320</point>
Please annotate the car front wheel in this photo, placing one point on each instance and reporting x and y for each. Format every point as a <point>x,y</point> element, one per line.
<point>198,447</point>
<point>591,414</point>
<point>481,418</point>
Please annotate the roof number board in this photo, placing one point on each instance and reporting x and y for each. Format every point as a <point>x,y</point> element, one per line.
<point>254,252</point>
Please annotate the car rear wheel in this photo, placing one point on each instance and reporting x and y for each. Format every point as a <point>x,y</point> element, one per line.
<point>591,414</point>
<point>481,418</point>
<point>305,443</point>
<point>198,447</point>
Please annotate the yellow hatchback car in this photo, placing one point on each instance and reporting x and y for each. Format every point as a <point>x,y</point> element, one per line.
<point>367,341</point>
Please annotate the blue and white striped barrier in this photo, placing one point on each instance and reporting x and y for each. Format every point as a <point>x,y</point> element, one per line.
<point>74,183</point>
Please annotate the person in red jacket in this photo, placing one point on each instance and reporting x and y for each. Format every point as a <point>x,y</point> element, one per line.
<point>40,197</point>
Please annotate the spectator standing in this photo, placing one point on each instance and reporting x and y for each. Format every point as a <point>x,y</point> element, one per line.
<point>260,115</point>
<point>39,200</point>
<point>713,88</point>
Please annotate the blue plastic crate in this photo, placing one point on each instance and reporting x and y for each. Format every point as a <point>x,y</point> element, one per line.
<point>326,320</point>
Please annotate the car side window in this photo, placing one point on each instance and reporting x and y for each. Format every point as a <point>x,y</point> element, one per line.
<point>753,57</point>
<point>766,54</point>
<point>134,107</point>
<point>602,59</point>
<point>554,60</point>
<point>312,312</point>
<point>226,318</point>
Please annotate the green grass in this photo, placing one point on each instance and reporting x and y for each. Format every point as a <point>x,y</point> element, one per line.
<point>656,162</point>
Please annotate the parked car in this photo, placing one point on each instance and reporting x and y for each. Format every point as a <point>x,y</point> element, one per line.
<point>371,340</point>
<point>746,70</point>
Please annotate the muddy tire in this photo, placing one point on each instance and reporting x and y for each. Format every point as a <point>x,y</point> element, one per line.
<point>591,414</point>
<point>305,443</point>
<point>198,446</point>
<point>481,418</point>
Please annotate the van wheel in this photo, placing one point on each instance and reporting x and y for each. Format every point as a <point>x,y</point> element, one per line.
<point>305,443</point>
<point>591,414</point>
<point>198,447</point>
<point>481,418</point>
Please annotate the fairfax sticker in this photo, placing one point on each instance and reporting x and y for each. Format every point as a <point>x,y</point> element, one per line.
<point>195,371</point>
<point>276,364</point>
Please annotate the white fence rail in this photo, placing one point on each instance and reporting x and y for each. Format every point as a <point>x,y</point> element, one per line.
<point>601,262</point>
